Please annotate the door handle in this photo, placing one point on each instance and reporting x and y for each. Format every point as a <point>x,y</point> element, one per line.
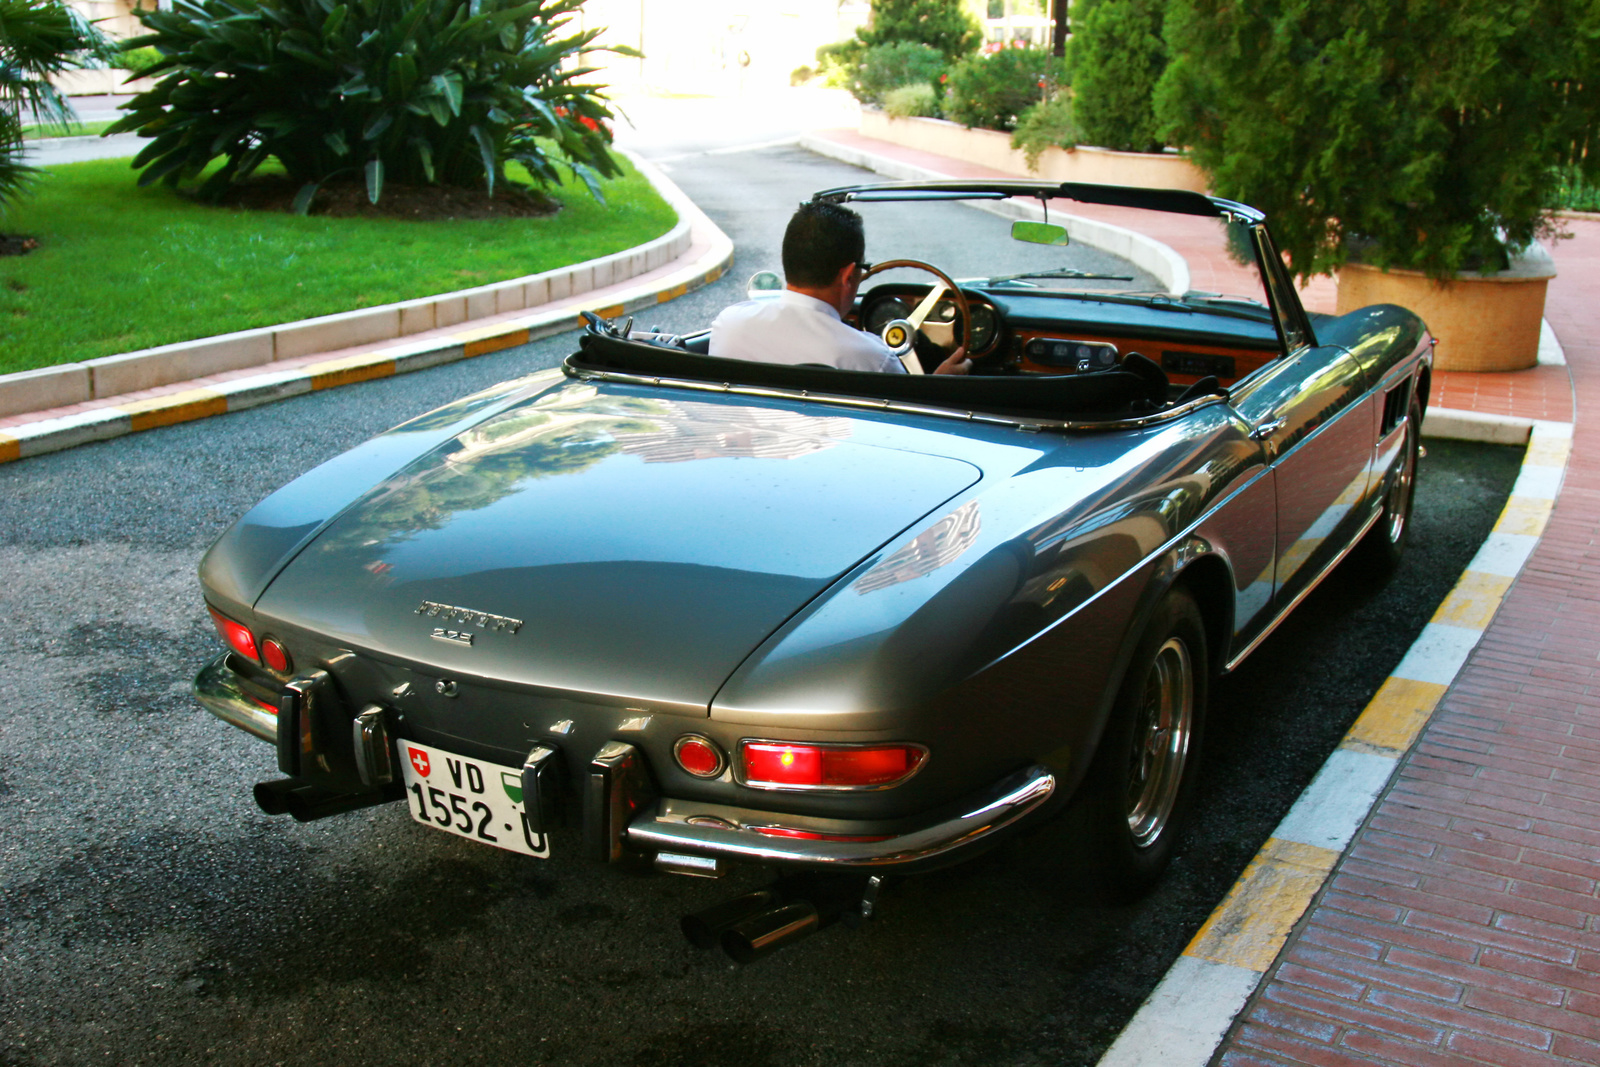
<point>1267,429</point>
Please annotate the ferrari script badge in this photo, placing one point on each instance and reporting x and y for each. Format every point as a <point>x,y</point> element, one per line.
<point>481,619</point>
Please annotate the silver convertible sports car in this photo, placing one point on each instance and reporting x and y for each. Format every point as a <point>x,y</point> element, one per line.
<point>706,611</point>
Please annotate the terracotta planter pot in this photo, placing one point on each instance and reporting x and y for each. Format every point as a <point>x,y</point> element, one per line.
<point>1484,322</point>
<point>991,148</point>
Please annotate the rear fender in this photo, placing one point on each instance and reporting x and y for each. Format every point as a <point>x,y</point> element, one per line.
<point>1194,564</point>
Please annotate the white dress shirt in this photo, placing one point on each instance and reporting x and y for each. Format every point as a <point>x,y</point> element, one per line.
<point>795,328</point>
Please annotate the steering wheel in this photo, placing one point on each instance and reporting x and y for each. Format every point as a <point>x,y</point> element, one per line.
<point>924,309</point>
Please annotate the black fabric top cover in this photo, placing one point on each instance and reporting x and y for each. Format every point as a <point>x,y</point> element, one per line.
<point>1106,394</point>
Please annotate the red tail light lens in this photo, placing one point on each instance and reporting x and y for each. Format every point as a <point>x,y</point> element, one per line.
<point>274,655</point>
<point>773,765</point>
<point>236,635</point>
<point>699,756</point>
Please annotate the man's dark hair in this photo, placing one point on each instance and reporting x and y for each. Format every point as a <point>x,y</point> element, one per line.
<point>821,239</point>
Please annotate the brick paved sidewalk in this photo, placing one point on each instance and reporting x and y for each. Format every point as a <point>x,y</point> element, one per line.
<point>1462,924</point>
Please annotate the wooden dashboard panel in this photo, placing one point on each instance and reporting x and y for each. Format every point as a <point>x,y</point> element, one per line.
<point>1184,362</point>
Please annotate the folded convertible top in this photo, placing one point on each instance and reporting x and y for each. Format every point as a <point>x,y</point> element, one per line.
<point>1104,395</point>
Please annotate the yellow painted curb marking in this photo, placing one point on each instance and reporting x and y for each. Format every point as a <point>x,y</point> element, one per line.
<point>10,448</point>
<point>1395,716</point>
<point>170,410</point>
<point>1249,927</point>
<point>485,345</point>
<point>611,312</point>
<point>672,294</point>
<point>1524,515</point>
<point>1474,600</point>
<point>1547,452</point>
<point>349,371</point>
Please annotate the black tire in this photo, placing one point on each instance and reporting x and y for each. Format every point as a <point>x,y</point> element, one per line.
<point>1380,550</point>
<point>1136,798</point>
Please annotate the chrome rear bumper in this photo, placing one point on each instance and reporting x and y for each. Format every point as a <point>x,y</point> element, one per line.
<point>998,808</point>
<point>217,689</point>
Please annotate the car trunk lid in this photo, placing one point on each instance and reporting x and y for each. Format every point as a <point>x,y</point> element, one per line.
<point>607,543</point>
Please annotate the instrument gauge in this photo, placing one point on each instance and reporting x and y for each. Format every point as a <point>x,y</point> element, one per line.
<point>985,327</point>
<point>882,313</point>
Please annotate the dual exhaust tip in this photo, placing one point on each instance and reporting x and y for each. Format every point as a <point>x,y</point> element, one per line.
<point>759,923</point>
<point>307,803</point>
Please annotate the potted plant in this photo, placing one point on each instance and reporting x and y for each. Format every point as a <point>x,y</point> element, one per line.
<point>1411,148</point>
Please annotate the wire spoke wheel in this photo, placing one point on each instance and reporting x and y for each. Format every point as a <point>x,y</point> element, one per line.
<point>1160,748</point>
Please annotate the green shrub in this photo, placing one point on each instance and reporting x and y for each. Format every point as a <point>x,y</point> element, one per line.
<point>1574,192</point>
<point>889,66</point>
<point>414,91</point>
<point>838,62</point>
<point>38,39</point>
<point>138,60</point>
<point>1118,57</point>
<point>1430,139</point>
<point>1048,124</point>
<point>992,90</point>
<point>912,102</point>
<point>801,75</point>
<point>943,24</point>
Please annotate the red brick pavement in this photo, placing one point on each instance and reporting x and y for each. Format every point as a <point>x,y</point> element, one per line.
<point>1462,925</point>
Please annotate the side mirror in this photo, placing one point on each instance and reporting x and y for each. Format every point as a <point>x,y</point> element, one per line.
<point>763,283</point>
<point>1039,233</point>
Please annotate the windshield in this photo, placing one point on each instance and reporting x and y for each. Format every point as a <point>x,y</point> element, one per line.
<point>1112,251</point>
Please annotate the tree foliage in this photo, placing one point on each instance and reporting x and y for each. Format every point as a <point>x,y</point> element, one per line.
<point>1424,133</point>
<point>1118,56</point>
<point>413,91</point>
<point>38,38</point>
<point>943,24</point>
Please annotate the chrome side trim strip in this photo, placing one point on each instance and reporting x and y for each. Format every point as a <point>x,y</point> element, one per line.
<point>1003,805</point>
<point>1278,618</point>
<point>898,407</point>
<point>217,690</point>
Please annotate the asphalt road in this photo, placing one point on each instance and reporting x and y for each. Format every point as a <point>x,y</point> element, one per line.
<point>150,914</point>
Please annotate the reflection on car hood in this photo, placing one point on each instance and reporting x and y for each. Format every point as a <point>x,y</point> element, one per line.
<point>598,543</point>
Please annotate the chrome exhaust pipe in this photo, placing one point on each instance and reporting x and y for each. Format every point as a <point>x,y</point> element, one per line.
<point>767,931</point>
<point>290,796</point>
<point>704,929</point>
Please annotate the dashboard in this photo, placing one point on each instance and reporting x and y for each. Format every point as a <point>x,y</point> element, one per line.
<point>1078,333</point>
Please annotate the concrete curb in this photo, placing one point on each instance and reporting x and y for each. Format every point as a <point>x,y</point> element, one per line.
<point>402,357</point>
<point>130,372</point>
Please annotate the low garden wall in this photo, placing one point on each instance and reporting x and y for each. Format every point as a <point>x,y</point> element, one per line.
<point>992,149</point>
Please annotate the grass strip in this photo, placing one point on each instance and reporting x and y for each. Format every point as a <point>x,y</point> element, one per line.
<point>120,268</point>
<point>76,129</point>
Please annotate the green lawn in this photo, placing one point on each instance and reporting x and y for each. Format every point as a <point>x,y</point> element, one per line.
<point>121,268</point>
<point>77,129</point>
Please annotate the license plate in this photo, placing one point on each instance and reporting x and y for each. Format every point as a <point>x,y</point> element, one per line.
<point>469,798</point>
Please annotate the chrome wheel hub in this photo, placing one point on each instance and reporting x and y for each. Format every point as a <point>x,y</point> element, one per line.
<point>1160,746</point>
<point>1398,507</point>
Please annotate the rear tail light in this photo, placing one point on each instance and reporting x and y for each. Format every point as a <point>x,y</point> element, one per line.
<point>236,635</point>
<point>777,765</point>
<point>699,756</point>
<point>274,655</point>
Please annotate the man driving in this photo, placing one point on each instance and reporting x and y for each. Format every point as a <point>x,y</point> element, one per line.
<point>822,251</point>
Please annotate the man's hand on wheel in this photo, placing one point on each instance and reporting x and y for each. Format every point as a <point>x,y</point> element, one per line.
<point>957,363</point>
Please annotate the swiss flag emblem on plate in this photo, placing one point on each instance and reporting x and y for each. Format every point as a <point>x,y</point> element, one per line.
<point>419,760</point>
